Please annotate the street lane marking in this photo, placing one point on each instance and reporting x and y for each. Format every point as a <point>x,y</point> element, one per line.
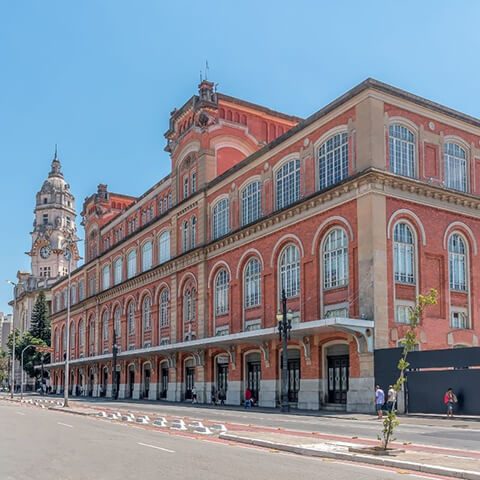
<point>65,424</point>
<point>19,413</point>
<point>154,446</point>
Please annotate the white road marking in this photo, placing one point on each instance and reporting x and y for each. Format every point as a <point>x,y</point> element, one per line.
<point>65,424</point>
<point>19,413</point>
<point>154,446</point>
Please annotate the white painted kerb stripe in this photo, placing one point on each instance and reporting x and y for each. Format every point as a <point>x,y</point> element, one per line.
<point>154,446</point>
<point>65,424</point>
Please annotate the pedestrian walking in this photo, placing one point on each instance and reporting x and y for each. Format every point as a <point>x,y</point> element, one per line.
<point>194,394</point>
<point>248,398</point>
<point>221,396</point>
<point>391,398</point>
<point>213,394</point>
<point>450,399</point>
<point>379,401</point>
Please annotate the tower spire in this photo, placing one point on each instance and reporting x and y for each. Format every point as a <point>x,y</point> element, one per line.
<point>55,156</point>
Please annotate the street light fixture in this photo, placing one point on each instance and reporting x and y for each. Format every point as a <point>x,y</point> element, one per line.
<point>114,366</point>
<point>284,319</point>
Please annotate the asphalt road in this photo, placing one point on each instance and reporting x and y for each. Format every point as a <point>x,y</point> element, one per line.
<point>46,445</point>
<point>437,432</point>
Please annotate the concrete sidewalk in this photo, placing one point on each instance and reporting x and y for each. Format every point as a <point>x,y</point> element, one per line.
<point>448,463</point>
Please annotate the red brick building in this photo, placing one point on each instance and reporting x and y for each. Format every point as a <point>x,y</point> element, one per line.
<point>353,211</point>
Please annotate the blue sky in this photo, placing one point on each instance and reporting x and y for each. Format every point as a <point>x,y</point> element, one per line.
<point>100,77</point>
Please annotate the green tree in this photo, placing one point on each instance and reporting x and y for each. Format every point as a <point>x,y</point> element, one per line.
<point>391,422</point>
<point>40,324</point>
<point>31,357</point>
<point>4,364</point>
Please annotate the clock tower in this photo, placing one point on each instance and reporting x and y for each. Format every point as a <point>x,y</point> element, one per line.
<point>54,223</point>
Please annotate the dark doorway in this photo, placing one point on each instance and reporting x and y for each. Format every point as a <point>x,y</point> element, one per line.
<point>254,370</point>
<point>90,385</point>
<point>189,382</point>
<point>338,367</point>
<point>131,382</point>
<point>164,384</point>
<point>222,377</point>
<point>103,391</point>
<point>117,380</point>
<point>146,383</point>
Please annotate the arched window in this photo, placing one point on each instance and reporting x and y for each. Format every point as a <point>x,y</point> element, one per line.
<point>333,160</point>
<point>221,218</point>
<point>189,305</point>
<point>106,277</point>
<point>147,313</point>
<point>164,247</point>
<point>193,232</point>
<point>288,184</point>
<point>185,229</point>
<point>335,259</point>
<point>117,271</point>
<point>131,318</point>
<point>81,334</point>
<point>105,326</point>
<point>117,324</point>
<point>221,292</point>
<point>251,202</point>
<point>252,288</point>
<point>91,333</point>
<point>164,311</point>
<point>147,256</point>
<point>455,167</point>
<point>404,253</point>
<point>457,256</point>
<point>57,343</point>
<point>401,150</point>
<point>72,335</point>
<point>64,340</point>
<point>73,292</point>
<point>132,264</point>
<point>290,271</point>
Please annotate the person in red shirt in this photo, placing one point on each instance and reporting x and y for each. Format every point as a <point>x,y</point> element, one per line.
<point>450,399</point>
<point>248,398</point>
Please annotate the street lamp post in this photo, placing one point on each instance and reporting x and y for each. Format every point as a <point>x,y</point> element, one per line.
<point>21,371</point>
<point>68,255</point>
<point>12,386</point>
<point>284,319</point>
<point>114,366</point>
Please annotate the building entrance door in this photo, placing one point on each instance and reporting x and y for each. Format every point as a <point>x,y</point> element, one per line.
<point>103,392</point>
<point>146,383</point>
<point>338,367</point>
<point>222,381</point>
<point>131,382</point>
<point>164,386</point>
<point>189,382</point>
<point>253,379</point>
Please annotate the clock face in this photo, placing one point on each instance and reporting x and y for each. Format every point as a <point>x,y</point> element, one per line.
<point>45,252</point>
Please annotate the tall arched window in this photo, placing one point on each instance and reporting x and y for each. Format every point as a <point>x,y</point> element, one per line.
<point>73,292</point>
<point>132,264</point>
<point>147,313</point>
<point>401,150</point>
<point>404,253</point>
<point>104,326</point>
<point>147,256</point>
<point>457,256</point>
<point>221,218</point>
<point>251,202</point>
<point>91,334</point>
<point>288,184</point>
<point>221,292</point>
<point>164,247</point>
<point>335,259</point>
<point>57,343</point>
<point>252,288</point>
<point>131,318</point>
<point>455,167</point>
<point>117,324</point>
<point>290,271</point>
<point>185,229</point>
<point>117,270</point>
<point>193,232</point>
<point>163,312</point>
<point>189,305</point>
<point>64,340</point>
<point>333,160</point>
<point>81,334</point>
<point>72,335</point>
<point>106,277</point>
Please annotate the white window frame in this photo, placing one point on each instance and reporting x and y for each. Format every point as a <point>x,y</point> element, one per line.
<point>193,182</point>
<point>185,186</point>
<point>104,327</point>
<point>81,334</point>
<point>455,160</point>
<point>132,263</point>
<point>117,322</point>
<point>117,270</point>
<point>193,232</point>
<point>163,311</point>
<point>332,160</point>
<point>289,271</point>
<point>147,256</point>
<point>164,247</point>
<point>221,218</point>
<point>337,310</point>
<point>185,232</point>
<point>402,144</point>
<point>404,253</point>
<point>287,183</point>
<point>222,288</point>
<point>335,259</point>
<point>251,202</point>
<point>106,277</point>
<point>131,318</point>
<point>459,318</point>
<point>252,283</point>
<point>403,309</point>
<point>458,265</point>
<point>147,313</point>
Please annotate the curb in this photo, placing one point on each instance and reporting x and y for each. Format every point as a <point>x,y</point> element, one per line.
<point>349,457</point>
<point>71,412</point>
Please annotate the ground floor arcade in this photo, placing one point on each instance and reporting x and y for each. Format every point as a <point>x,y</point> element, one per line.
<point>330,365</point>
